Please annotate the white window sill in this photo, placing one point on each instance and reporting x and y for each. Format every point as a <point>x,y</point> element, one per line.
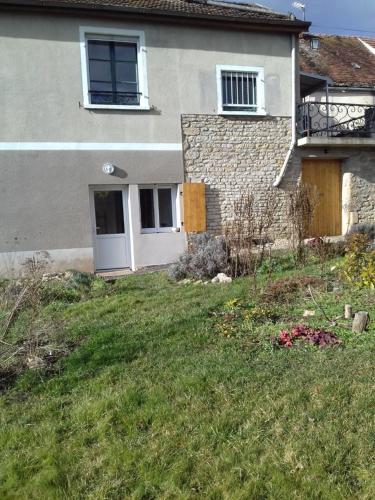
<point>243,113</point>
<point>161,230</point>
<point>115,106</point>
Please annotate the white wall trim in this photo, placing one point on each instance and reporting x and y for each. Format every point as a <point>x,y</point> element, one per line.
<point>90,146</point>
<point>95,32</point>
<point>131,216</point>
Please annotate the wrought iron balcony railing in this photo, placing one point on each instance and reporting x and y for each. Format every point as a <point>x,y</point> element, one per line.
<point>111,97</point>
<point>335,120</point>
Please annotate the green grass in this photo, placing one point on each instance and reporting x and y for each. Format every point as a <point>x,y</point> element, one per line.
<point>154,403</point>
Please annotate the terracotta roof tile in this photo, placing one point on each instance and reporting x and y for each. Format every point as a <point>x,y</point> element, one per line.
<point>344,59</point>
<point>189,8</point>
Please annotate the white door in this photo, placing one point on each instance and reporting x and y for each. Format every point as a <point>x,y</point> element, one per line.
<point>111,243</point>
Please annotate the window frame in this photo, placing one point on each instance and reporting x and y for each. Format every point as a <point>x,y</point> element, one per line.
<point>259,71</point>
<point>155,188</point>
<point>114,35</point>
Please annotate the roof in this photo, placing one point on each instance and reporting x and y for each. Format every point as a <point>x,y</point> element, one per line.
<point>344,59</point>
<point>195,9</point>
<point>369,41</point>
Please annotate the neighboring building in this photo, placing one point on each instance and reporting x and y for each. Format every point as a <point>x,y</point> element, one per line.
<point>345,63</point>
<point>109,106</point>
<point>337,119</point>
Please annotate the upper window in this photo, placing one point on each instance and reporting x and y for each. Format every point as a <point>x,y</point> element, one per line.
<point>113,72</point>
<point>158,208</point>
<point>240,90</point>
<point>113,69</point>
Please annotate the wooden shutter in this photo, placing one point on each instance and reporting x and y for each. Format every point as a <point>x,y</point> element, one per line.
<point>194,207</point>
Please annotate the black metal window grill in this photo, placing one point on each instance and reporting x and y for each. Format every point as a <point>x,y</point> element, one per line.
<point>239,91</point>
<point>113,73</point>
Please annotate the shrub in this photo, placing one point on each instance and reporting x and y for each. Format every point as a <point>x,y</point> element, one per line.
<point>283,290</point>
<point>359,264</point>
<point>98,287</point>
<point>324,250</point>
<point>3,283</point>
<point>277,263</point>
<point>364,228</point>
<point>249,232</point>
<point>302,203</point>
<point>29,339</point>
<point>205,257</point>
<point>52,291</point>
<point>81,279</point>
<point>314,336</point>
<point>262,314</point>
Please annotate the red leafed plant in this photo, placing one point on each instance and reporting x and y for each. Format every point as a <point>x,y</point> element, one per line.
<point>314,336</point>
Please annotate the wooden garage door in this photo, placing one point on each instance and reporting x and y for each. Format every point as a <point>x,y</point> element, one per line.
<point>326,176</point>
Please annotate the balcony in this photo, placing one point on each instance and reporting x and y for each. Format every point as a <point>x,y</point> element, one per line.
<point>335,124</point>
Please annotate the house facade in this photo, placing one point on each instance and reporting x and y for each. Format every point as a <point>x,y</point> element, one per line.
<point>114,110</point>
<point>108,107</point>
<point>336,121</point>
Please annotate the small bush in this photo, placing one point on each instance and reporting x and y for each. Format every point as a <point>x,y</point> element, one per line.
<point>79,279</point>
<point>313,336</point>
<point>359,264</point>
<point>249,234</point>
<point>338,248</point>
<point>283,290</point>
<point>53,291</point>
<point>30,339</point>
<point>364,228</point>
<point>277,264</point>
<point>324,250</point>
<point>232,305</point>
<point>3,283</point>
<point>262,314</point>
<point>206,257</point>
<point>98,287</point>
<point>301,202</point>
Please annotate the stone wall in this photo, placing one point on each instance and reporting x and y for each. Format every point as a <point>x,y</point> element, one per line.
<point>235,154</point>
<point>361,165</point>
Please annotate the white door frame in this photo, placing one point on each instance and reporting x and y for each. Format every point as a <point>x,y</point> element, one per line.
<point>125,206</point>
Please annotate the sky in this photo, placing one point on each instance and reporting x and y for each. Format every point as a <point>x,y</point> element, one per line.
<point>343,17</point>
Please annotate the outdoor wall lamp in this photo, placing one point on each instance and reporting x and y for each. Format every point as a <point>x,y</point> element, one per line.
<point>108,168</point>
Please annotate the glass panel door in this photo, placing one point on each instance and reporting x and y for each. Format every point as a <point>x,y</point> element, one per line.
<point>109,212</point>
<point>110,240</point>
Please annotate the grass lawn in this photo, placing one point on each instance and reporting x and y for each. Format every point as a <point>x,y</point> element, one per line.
<point>157,403</point>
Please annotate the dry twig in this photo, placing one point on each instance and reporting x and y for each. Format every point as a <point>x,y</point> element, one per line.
<point>332,322</point>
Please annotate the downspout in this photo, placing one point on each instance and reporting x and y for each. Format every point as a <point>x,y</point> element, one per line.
<point>293,140</point>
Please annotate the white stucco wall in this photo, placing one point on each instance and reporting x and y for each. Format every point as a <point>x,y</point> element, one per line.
<point>41,80</point>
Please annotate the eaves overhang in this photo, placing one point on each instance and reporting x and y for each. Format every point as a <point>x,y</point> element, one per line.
<point>131,13</point>
<point>311,82</point>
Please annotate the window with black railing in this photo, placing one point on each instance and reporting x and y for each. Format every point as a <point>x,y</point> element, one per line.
<point>113,73</point>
